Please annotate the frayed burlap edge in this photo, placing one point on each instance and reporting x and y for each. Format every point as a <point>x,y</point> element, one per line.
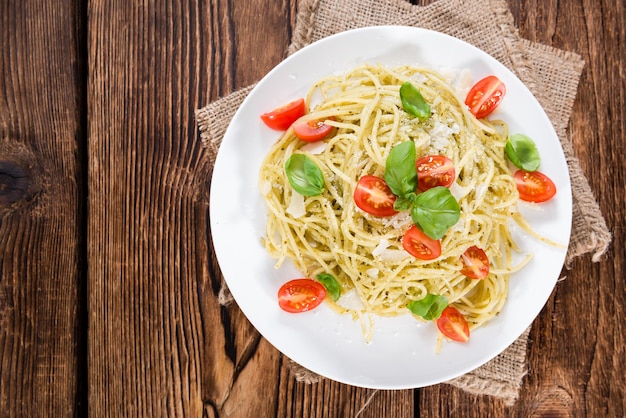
<point>502,376</point>
<point>214,119</point>
<point>303,32</point>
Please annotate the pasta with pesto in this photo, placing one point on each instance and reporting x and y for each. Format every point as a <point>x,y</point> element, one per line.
<point>328,233</point>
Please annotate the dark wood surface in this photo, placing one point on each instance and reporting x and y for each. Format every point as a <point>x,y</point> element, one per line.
<point>108,283</point>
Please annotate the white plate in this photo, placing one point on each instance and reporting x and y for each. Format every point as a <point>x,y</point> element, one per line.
<point>402,353</point>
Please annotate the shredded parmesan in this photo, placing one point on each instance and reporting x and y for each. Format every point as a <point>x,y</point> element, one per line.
<point>296,206</point>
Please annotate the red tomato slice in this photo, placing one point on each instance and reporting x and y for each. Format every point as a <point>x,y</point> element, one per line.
<point>311,130</point>
<point>373,195</point>
<point>485,96</point>
<point>453,325</point>
<point>434,170</point>
<point>281,118</point>
<point>534,186</point>
<point>301,295</point>
<point>420,245</point>
<point>475,263</point>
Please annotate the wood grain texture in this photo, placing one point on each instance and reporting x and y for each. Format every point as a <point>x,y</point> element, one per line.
<point>41,209</point>
<point>146,181</point>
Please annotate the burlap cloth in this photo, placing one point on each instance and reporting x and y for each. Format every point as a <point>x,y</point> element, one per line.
<point>551,74</point>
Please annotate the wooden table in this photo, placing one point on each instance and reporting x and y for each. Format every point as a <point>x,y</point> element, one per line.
<point>108,284</point>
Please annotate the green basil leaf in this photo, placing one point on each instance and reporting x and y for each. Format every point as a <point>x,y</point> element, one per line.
<point>331,284</point>
<point>402,204</point>
<point>429,307</point>
<point>522,152</point>
<point>413,102</point>
<point>304,175</point>
<point>400,170</point>
<point>435,211</point>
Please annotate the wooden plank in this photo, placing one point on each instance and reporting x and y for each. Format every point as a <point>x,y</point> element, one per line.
<point>41,209</point>
<point>160,343</point>
<point>146,276</point>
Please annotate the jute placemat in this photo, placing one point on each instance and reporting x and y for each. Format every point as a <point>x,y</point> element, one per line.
<point>551,74</point>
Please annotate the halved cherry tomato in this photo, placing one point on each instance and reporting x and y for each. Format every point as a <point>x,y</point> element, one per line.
<point>373,195</point>
<point>453,325</point>
<point>311,130</point>
<point>434,170</point>
<point>534,186</point>
<point>301,295</point>
<point>420,245</point>
<point>282,117</point>
<point>475,263</point>
<point>485,96</point>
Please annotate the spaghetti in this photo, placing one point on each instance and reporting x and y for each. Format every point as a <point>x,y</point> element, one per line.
<point>328,233</point>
